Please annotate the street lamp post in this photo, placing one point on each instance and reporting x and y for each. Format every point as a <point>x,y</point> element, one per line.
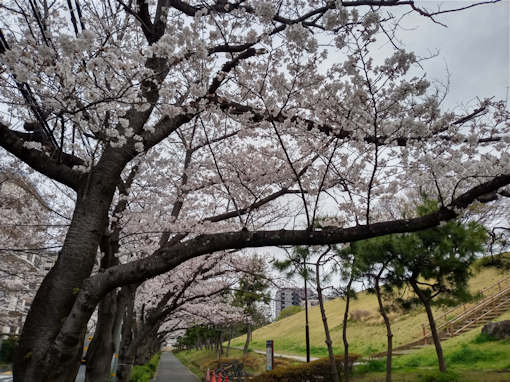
<point>307,329</point>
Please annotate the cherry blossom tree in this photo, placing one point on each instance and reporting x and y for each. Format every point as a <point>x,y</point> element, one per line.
<point>255,116</point>
<point>165,304</point>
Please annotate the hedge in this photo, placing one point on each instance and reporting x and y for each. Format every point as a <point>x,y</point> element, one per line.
<point>319,370</point>
<point>144,373</point>
<point>7,352</point>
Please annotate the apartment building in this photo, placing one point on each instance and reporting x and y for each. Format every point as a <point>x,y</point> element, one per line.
<point>290,296</point>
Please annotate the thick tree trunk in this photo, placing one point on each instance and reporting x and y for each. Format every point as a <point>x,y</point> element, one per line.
<point>145,338</point>
<point>389,334</point>
<point>34,361</point>
<point>122,300</point>
<point>143,351</point>
<point>126,353</point>
<point>248,338</point>
<point>432,323</point>
<point>344,330</point>
<point>329,343</point>
<point>101,349</point>
<point>145,346</point>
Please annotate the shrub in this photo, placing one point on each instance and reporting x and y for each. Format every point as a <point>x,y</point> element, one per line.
<point>154,362</point>
<point>307,372</point>
<point>249,364</point>
<point>7,352</point>
<point>144,373</point>
<point>482,338</point>
<point>217,363</point>
<point>374,365</point>
<point>359,315</point>
<point>413,361</point>
<point>448,376</point>
<point>282,362</point>
<point>499,261</point>
<point>289,311</point>
<point>140,374</point>
<point>466,355</point>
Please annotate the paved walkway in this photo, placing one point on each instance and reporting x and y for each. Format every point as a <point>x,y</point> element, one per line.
<point>172,370</point>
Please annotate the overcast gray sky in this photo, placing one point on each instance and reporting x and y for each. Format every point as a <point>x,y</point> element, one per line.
<point>474,47</point>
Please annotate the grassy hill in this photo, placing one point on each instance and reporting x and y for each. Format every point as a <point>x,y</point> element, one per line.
<point>365,337</point>
<point>470,357</point>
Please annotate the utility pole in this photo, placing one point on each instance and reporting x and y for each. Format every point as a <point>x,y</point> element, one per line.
<point>307,329</point>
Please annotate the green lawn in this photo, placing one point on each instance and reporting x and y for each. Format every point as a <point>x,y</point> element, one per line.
<point>471,356</point>
<point>420,376</point>
<point>470,351</point>
<point>365,337</point>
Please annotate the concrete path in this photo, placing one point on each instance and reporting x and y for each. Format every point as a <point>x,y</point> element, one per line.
<point>6,377</point>
<point>170,369</point>
<point>81,374</point>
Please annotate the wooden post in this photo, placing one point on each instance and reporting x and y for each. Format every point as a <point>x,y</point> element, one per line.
<point>424,333</point>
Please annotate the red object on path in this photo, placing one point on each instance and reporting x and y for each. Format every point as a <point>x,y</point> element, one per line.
<point>219,377</point>
<point>226,378</point>
<point>213,378</point>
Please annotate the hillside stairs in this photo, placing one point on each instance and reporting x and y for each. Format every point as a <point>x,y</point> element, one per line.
<point>495,301</point>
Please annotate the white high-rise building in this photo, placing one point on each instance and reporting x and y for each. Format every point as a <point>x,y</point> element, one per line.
<point>290,296</point>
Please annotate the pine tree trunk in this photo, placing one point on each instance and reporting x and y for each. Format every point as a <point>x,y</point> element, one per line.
<point>432,323</point>
<point>344,330</point>
<point>389,334</point>
<point>248,338</point>
<point>329,343</point>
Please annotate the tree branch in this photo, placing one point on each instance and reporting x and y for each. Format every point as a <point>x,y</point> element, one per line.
<point>258,115</point>
<point>168,257</point>
<point>13,142</point>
